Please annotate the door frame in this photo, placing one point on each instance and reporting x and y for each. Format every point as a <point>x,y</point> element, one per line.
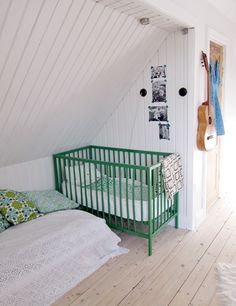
<point>216,37</point>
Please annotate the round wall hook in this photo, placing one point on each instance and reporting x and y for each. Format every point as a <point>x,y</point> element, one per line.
<point>183,91</point>
<point>143,92</point>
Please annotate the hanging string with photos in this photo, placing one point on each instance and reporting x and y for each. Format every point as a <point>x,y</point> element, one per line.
<point>159,111</point>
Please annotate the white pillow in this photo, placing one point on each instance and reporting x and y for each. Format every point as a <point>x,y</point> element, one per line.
<point>84,172</point>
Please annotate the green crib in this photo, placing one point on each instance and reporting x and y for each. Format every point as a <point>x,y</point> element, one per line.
<point>123,186</point>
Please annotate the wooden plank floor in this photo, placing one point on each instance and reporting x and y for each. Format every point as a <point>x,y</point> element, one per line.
<point>180,272</point>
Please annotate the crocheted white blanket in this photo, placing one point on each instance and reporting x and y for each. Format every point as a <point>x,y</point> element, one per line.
<point>227,283</point>
<point>42,259</point>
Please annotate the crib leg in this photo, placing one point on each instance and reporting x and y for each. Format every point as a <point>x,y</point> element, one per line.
<point>177,221</point>
<point>177,210</point>
<point>150,246</point>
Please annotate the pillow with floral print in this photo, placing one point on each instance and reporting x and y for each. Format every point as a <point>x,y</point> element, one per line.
<point>16,208</point>
<point>4,224</point>
<point>48,201</point>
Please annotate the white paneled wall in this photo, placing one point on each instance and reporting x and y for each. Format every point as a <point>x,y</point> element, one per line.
<point>64,65</point>
<point>33,175</point>
<point>129,126</point>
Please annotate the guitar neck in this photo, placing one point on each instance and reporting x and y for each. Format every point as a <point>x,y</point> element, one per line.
<point>210,106</point>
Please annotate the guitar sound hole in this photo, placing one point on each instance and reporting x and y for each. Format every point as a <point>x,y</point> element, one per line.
<point>210,120</point>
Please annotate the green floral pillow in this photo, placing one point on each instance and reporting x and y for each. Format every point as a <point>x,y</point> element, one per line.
<point>4,224</point>
<point>16,208</point>
<point>48,201</point>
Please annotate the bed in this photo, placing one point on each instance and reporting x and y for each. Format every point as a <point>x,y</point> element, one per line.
<point>123,186</point>
<point>42,259</point>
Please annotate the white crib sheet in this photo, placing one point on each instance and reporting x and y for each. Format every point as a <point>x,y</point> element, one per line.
<point>134,210</point>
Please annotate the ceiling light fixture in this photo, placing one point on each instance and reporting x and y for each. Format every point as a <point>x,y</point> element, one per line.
<point>144,21</point>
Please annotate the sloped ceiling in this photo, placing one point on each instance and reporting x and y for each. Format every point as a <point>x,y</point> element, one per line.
<point>64,67</point>
<point>226,7</point>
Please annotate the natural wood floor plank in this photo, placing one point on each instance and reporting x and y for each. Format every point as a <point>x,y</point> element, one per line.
<point>160,287</point>
<point>127,268</point>
<point>111,265</point>
<point>125,285</point>
<point>192,284</point>
<point>180,271</point>
<point>207,293</point>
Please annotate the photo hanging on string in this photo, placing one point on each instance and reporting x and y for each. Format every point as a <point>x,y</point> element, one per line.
<point>164,131</point>
<point>158,113</point>
<point>158,72</point>
<point>159,91</point>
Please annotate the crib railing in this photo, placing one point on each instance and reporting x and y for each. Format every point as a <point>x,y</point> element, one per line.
<point>123,186</point>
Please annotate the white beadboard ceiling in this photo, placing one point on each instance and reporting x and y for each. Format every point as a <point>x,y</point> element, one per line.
<point>64,67</point>
<point>139,8</point>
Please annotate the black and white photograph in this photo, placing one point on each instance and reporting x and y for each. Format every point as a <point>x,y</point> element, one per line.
<point>164,131</point>
<point>158,91</point>
<point>158,113</point>
<point>158,72</point>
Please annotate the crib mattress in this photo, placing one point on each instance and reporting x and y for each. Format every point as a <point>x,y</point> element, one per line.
<point>96,196</point>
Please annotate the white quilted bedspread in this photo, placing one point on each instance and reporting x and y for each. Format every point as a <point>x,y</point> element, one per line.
<point>42,259</point>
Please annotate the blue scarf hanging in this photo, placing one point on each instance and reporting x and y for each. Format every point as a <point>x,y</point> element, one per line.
<point>215,86</point>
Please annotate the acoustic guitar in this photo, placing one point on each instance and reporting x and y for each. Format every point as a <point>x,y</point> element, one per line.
<point>206,133</point>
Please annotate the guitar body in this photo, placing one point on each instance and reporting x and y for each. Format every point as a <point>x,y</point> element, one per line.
<point>206,133</point>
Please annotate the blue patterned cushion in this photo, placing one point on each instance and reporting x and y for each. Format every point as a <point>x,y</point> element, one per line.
<point>16,208</point>
<point>4,224</point>
<point>48,201</point>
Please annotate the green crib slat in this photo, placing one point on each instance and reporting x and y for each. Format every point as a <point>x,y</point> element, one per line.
<point>95,154</point>
<point>129,174</point>
<point>85,183</point>
<point>153,197</point>
<point>118,157</point>
<point>165,207</point>
<point>135,164</point>
<point>96,189</point>
<point>109,160</point>
<point>124,163</point>
<point>78,165</point>
<point>140,164</point>
<point>66,180</point>
<point>104,154</point>
<point>71,197</point>
<point>56,173</point>
<point>176,204</point>
<point>102,195</point>
<point>75,189</point>
<point>114,191</point>
<point>120,198</point>
<point>60,174</point>
<point>133,200</point>
<point>161,199</point>
<point>100,154</point>
<point>90,187</point>
<point>108,198</point>
<point>149,214</point>
<point>151,158</point>
<point>127,196</point>
<point>141,201</point>
<point>157,198</point>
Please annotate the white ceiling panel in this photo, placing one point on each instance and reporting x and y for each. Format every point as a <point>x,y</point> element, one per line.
<point>64,67</point>
<point>139,9</point>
